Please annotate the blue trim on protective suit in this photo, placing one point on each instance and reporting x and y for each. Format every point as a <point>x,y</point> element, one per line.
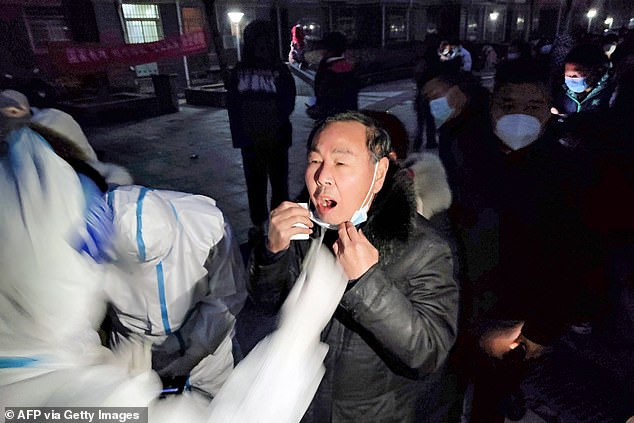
<point>16,362</point>
<point>161,291</point>
<point>139,223</point>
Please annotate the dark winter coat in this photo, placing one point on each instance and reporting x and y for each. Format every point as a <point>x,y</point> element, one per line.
<point>394,326</point>
<point>521,230</point>
<point>336,88</point>
<point>568,102</point>
<point>259,102</point>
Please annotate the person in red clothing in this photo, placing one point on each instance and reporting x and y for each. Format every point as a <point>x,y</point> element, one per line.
<point>298,44</point>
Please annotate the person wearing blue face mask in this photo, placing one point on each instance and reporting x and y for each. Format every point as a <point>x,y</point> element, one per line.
<point>391,335</point>
<point>588,82</point>
<point>445,98</point>
<point>438,59</point>
<point>457,102</point>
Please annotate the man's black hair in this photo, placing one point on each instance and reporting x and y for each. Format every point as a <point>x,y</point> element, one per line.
<point>587,56</point>
<point>255,30</point>
<point>520,71</point>
<point>377,139</point>
<point>335,42</point>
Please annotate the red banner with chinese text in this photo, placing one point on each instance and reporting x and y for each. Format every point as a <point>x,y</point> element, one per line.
<point>86,58</point>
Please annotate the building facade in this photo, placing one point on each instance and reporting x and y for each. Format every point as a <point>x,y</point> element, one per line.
<point>28,26</point>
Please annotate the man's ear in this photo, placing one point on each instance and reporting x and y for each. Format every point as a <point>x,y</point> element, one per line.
<point>381,173</point>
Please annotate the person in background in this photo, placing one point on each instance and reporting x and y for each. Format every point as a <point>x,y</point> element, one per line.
<point>298,44</point>
<point>562,45</point>
<point>396,322</point>
<point>490,57</point>
<point>467,61</point>
<point>609,43</point>
<point>624,48</point>
<point>606,136</point>
<point>437,60</point>
<point>178,283</point>
<point>548,258</point>
<point>588,81</point>
<point>454,50</point>
<point>336,85</point>
<point>460,106</point>
<point>425,70</point>
<point>519,49</point>
<point>260,99</point>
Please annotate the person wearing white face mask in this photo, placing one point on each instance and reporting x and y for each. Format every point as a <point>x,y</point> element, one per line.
<point>545,255</point>
<point>396,322</point>
<point>518,130</point>
<point>519,112</point>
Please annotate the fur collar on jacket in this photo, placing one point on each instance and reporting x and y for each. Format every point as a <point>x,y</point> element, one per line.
<point>392,217</point>
<point>433,194</point>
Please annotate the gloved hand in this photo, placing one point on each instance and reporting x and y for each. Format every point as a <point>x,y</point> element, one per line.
<point>96,238</point>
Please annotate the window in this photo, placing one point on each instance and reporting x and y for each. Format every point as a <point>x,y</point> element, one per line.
<point>45,24</point>
<point>192,19</point>
<point>312,29</point>
<point>142,23</point>
<point>474,23</point>
<point>347,25</point>
<point>396,27</point>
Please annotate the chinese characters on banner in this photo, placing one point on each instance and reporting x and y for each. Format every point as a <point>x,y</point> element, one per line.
<point>85,58</point>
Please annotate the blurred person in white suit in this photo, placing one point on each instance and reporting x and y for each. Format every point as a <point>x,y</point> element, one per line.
<point>178,282</point>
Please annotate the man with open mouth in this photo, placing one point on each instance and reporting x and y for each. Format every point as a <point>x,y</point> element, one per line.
<point>396,322</point>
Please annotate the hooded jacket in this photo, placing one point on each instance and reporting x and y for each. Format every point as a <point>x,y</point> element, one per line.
<point>393,327</point>
<point>179,281</point>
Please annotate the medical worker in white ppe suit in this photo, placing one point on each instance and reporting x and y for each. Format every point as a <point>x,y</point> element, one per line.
<point>178,283</point>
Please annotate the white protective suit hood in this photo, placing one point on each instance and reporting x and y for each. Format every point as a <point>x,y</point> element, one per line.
<point>145,223</point>
<point>155,228</point>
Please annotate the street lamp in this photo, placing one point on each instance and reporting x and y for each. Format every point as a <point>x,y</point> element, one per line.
<point>609,21</point>
<point>235,18</point>
<point>590,15</point>
<point>493,17</point>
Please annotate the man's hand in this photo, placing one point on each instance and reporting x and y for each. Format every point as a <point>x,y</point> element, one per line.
<point>499,342</point>
<point>283,225</point>
<point>353,250</point>
<point>533,349</point>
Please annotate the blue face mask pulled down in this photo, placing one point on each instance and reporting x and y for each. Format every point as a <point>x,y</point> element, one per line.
<point>440,110</point>
<point>358,217</point>
<point>576,85</point>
